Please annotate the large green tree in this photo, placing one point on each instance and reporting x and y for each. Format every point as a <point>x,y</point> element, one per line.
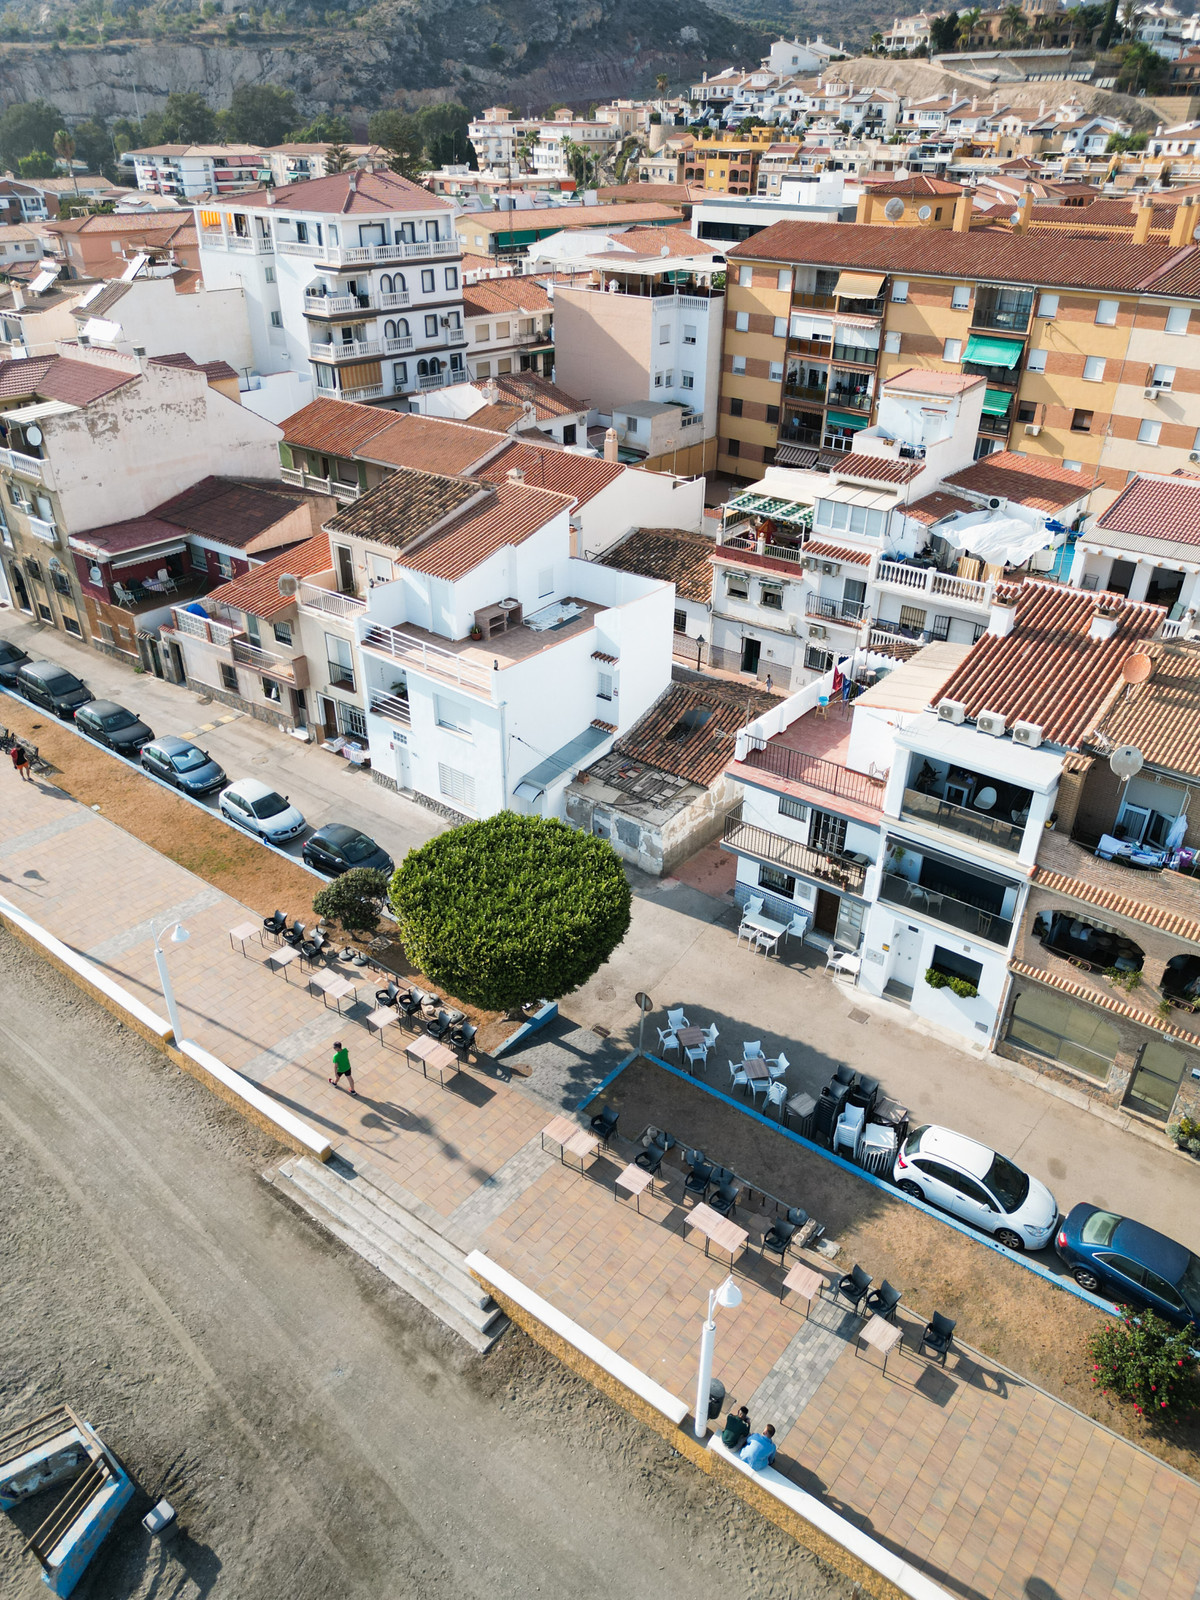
<point>260,113</point>
<point>93,146</point>
<point>511,910</point>
<point>27,127</point>
<point>400,135</point>
<point>444,134</point>
<point>328,128</point>
<point>354,900</point>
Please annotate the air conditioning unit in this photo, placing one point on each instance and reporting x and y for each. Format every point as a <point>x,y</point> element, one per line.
<point>1194,456</point>
<point>1150,394</point>
<point>831,567</point>
<point>995,503</point>
<point>1029,733</point>
<point>951,710</point>
<point>815,631</point>
<point>1033,429</point>
<point>990,722</point>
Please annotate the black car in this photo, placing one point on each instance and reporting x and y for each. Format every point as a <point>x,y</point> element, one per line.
<point>1130,1263</point>
<point>12,659</point>
<point>185,765</point>
<point>336,848</point>
<point>52,687</point>
<point>112,726</point>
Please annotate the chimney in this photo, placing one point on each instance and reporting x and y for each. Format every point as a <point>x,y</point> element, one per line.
<point>963,208</point>
<point>611,444</point>
<point>516,475</point>
<point>491,392</point>
<point>1024,211</point>
<point>1002,616</point>
<point>1185,222</point>
<point>1103,624</point>
<point>1143,217</point>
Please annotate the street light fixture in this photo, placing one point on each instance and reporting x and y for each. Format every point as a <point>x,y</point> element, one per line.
<point>729,1296</point>
<point>179,935</point>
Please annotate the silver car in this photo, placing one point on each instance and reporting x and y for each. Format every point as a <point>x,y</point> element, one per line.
<point>257,808</point>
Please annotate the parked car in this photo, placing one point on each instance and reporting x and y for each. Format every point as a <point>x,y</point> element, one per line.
<point>183,764</point>
<point>114,727</point>
<point>977,1185</point>
<point>1130,1263</point>
<point>258,809</point>
<point>52,687</point>
<point>12,659</point>
<point>336,848</point>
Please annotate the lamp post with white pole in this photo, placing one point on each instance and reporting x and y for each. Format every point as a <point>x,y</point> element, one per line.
<point>729,1296</point>
<point>179,935</point>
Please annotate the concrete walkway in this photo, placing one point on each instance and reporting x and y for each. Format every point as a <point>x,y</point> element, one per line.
<point>991,1487</point>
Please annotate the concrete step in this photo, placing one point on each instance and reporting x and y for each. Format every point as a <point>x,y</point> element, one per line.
<point>403,1247</point>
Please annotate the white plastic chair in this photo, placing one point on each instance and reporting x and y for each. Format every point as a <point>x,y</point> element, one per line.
<point>697,1054</point>
<point>754,905</point>
<point>751,1049</point>
<point>776,1096</point>
<point>745,931</point>
<point>778,1067</point>
<point>667,1040</point>
<point>712,1035</point>
<point>768,943</point>
<point>737,1076</point>
<point>676,1018</point>
<point>758,1086</point>
<point>797,927</point>
<point>848,1130</point>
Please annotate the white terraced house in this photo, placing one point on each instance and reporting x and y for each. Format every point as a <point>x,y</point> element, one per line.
<point>352,281</point>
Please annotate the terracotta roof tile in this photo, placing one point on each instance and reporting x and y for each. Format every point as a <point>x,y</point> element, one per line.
<point>257,591</point>
<point>76,383</point>
<point>334,427</point>
<point>548,399</point>
<point>510,513</point>
<point>505,296</point>
<point>1158,508</point>
<point>839,552</point>
<point>582,477</point>
<point>918,184</point>
<point>115,538</point>
<point>499,417</point>
<point>1123,905</point>
<point>875,469</point>
<point>933,507</point>
<point>404,506</point>
<point>678,242</point>
<point>558,217</point>
<point>1094,997</point>
<point>1048,670</point>
<point>1162,716</point>
<point>232,511</point>
<point>429,444</point>
<point>211,369</point>
<point>1031,480</point>
<point>703,754</point>
<point>350,191</point>
<point>672,554</point>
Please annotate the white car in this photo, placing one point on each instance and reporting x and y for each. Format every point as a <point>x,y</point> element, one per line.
<point>977,1185</point>
<point>258,809</point>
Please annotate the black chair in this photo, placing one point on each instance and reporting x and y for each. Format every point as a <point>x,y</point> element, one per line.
<point>651,1158</point>
<point>312,947</point>
<point>846,1075</point>
<point>276,925</point>
<point>700,1178</point>
<point>869,1087</point>
<point>462,1039</point>
<point>295,934</point>
<point>388,996</point>
<point>854,1286</point>
<point>410,1003</point>
<point>780,1234</point>
<point>440,1025</point>
<point>725,1199</point>
<point>938,1335</point>
<point>882,1302</point>
<point>604,1124</point>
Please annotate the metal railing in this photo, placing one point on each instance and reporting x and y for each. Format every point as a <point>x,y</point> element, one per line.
<point>1012,321</point>
<point>340,675</point>
<point>390,706</point>
<point>928,808</point>
<point>329,602</point>
<point>928,580</point>
<point>430,658</point>
<point>850,399</point>
<point>793,391</point>
<point>797,766</point>
<point>900,891</point>
<point>250,655</point>
<point>197,627</point>
<point>863,355</point>
<point>831,867</point>
<point>851,612</point>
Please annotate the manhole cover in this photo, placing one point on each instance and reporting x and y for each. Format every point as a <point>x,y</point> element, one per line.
<point>859,1016</point>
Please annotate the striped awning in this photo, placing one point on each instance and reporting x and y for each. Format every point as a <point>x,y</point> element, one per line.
<point>990,352</point>
<point>859,285</point>
<point>846,419</point>
<point>996,402</point>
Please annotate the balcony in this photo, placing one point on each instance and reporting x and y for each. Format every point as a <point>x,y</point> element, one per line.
<point>456,336</point>
<point>937,812</point>
<point>928,581</point>
<point>396,343</point>
<point>45,531</point>
<point>849,613</point>
<point>390,706</point>
<point>340,675</point>
<point>268,662</point>
<point>814,396</point>
<point>995,427</point>
<point>798,766</point>
<point>415,653</point>
<point>850,399</point>
<point>329,602</point>
<point>845,871</point>
<point>335,305</point>
<point>343,492</point>
<point>443,379</point>
<point>33,467</point>
<point>371,391</point>
<point>968,918</point>
<point>239,241</point>
<point>856,354</point>
<point>345,350</point>
<point>1002,312</point>
<point>747,543</point>
<point>394,302</point>
<point>814,302</point>
<point>368,254</point>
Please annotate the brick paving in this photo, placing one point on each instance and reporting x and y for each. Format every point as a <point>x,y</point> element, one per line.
<point>991,1487</point>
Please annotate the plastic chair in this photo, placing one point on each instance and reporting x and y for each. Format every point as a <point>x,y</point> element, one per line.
<point>676,1018</point>
<point>697,1055</point>
<point>778,1067</point>
<point>295,934</point>
<point>854,1287</point>
<point>276,925</point>
<point>776,1096</point>
<point>700,1177</point>
<point>849,1130</point>
<point>938,1335</point>
<point>604,1124</point>
<point>797,927</point>
<point>779,1235</point>
<point>388,996</point>
<point>667,1040</point>
<point>745,931</point>
<point>752,1049</point>
<point>754,905</point>
<point>846,1075</point>
<point>737,1076</point>
<point>882,1302</point>
<point>725,1199</point>
<point>462,1040</point>
<point>768,943</point>
<point>759,1086</point>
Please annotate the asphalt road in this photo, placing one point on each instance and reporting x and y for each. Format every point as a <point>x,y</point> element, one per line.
<point>318,1434</point>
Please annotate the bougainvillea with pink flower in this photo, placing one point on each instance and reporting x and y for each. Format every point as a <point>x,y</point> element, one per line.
<point>1144,1360</point>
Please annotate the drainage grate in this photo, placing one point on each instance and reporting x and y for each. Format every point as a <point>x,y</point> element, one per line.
<point>858,1016</point>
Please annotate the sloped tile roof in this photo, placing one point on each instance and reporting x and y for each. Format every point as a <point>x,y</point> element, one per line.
<point>492,297</point>
<point>500,417</point>
<point>582,477</point>
<point>1158,508</point>
<point>509,514</point>
<point>920,183</point>
<point>431,444</point>
<point>257,591</point>
<point>650,242</point>
<point>672,554</point>
<point>1094,997</point>
<point>76,383</point>
<point>347,192</point>
<point>1122,905</point>
<point>232,511</point>
<point>1162,716</point>
<point>403,506</point>
<point>839,552</point>
<point>1030,480</point>
<point>933,507</point>
<point>116,538</point>
<point>211,369</point>
<point>334,427</point>
<point>875,469</point>
<point>548,399</point>
<point>700,756</point>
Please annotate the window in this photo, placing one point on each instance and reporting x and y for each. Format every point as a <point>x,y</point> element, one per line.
<point>229,678</point>
<point>1073,466</point>
<point>687,380</point>
<point>780,327</point>
<point>771,596</point>
<point>456,785</point>
<point>741,321</point>
<point>737,587</point>
<point>1177,319</point>
<point>773,414</point>
<point>452,277</point>
<point>427,283</point>
<point>431,327</point>
<point>952,965</point>
<point>570,432</point>
<point>282,632</point>
<point>795,809</point>
<point>1081,421</point>
<point>960,297</point>
<point>1148,432</point>
<point>784,282</point>
<point>827,832</point>
<point>483,369</point>
<point>1106,313</point>
<point>62,584</point>
<point>745,277</point>
<point>604,686</point>
<point>689,333</point>
<point>817,660</point>
<point>912,617</point>
<point>354,723</point>
<point>452,714</point>
<point>680,622</point>
<point>225,566</point>
<point>658,380</point>
<point>1036,361</point>
<point>1051,1025</point>
<point>106,633</point>
<point>739,366</point>
<point>735,407</point>
<point>891,344</point>
<point>1162,377</point>
<point>270,274</point>
<point>1026,411</point>
<point>776,373</point>
<point>899,291</point>
<point>667,379</point>
<point>277,319</point>
<point>777,882</point>
<point>733,447</point>
<point>270,690</point>
<point>1093,369</point>
<point>952,350</point>
<point>482,333</point>
<point>1047,305</point>
<point>340,661</point>
<point>71,625</point>
<point>502,329</point>
<point>399,374</point>
<point>664,333</point>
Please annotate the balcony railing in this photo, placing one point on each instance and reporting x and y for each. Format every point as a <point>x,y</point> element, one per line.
<point>250,655</point>
<point>372,391</point>
<point>26,466</point>
<point>337,350</point>
<point>390,706</point>
<point>995,831</point>
<point>43,530</point>
<point>332,305</point>
<point>368,254</point>
<point>797,766</point>
<point>900,645</point>
<point>748,840</point>
<point>329,602</point>
<point>340,675</point>
<point>441,380</point>
<point>345,492</point>
<point>815,302</point>
<point>747,542</point>
<point>862,355</point>
<point>850,612</point>
<point>395,301</point>
<point>815,396</point>
<point>996,426</point>
<point>429,658</point>
<point>929,581</point>
<point>397,342</point>
<point>989,925</point>
<point>205,628</point>
<point>850,399</point>
<point>1014,320</point>
<point>239,241</point>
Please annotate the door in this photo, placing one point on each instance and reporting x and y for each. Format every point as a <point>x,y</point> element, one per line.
<point>906,957</point>
<point>19,589</point>
<point>400,746</point>
<point>329,721</point>
<point>1155,1082</point>
<point>751,650</point>
<point>345,568</point>
<point>825,918</point>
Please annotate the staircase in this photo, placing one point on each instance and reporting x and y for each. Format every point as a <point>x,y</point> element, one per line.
<point>403,1247</point>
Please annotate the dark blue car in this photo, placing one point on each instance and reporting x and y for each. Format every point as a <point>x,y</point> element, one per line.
<point>1130,1263</point>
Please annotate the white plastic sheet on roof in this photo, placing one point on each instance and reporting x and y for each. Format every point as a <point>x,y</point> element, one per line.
<point>1001,541</point>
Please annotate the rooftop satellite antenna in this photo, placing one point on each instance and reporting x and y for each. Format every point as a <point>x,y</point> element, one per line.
<point>924,214</point>
<point>1126,761</point>
<point>288,585</point>
<point>1136,669</point>
<point>894,209</point>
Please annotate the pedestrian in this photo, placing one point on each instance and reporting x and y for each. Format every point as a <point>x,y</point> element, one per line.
<point>768,683</point>
<point>20,761</point>
<point>737,1429</point>
<point>759,1451</point>
<point>342,1068</point>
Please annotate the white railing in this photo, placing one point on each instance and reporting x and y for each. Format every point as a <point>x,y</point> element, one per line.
<point>334,304</point>
<point>340,349</point>
<point>249,655</point>
<point>367,254</point>
<point>391,302</point>
<point>197,627</point>
<point>400,343</point>
<point>431,380</point>
<point>330,602</point>
<point>462,376</point>
<point>927,580</point>
<point>1172,630</point>
<point>753,546</point>
<point>373,391</point>
<point>456,336</point>
<point>46,531</point>
<point>691,302</point>
<point>428,658</point>
<point>331,486</point>
<point>26,466</point>
<point>390,706</point>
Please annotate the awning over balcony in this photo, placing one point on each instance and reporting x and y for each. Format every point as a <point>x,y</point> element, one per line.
<point>847,419</point>
<point>989,352</point>
<point>362,375</point>
<point>156,554</point>
<point>859,285</point>
<point>996,403</point>
<point>765,505</point>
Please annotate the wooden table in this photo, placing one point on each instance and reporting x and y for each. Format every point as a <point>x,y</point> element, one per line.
<point>332,987</point>
<point>756,1069</point>
<point>243,931</point>
<point>280,957</point>
<point>881,1335</point>
<point>559,1131</point>
<point>570,1138</point>
<point>634,1180</point>
<point>718,1230</point>
<point>431,1053</point>
<point>805,1282</point>
<point>690,1037</point>
<point>380,1019</point>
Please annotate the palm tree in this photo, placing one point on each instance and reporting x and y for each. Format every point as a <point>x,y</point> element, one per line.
<point>1012,22</point>
<point>876,43</point>
<point>1132,18</point>
<point>64,149</point>
<point>660,83</point>
<point>1074,24</point>
<point>967,25</point>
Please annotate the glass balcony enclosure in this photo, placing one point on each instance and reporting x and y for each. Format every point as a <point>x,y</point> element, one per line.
<point>977,904</point>
<point>989,810</point>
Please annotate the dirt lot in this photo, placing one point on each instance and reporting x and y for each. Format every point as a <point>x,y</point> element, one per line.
<point>1001,1309</point>
<point>318,1433</point>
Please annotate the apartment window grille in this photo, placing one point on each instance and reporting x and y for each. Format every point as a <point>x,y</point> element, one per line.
<point>455,785</point>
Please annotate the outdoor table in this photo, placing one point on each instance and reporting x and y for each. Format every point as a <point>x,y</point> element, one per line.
<point>804,1282</point>
<point>559,1131</point>
<point>802,1107</point>
<point>332,987</point>
<point>718,1230</point>
<point>380,1019</point>
<point>430,1053</point>
<point>764,924</point>
<point>689,1038</point>
<point>634,1180</point>
<point>280,957</point>
<point>582,1144</point>
<point>756,1069</point>
<point>881,1335</point>
<point>243,931</point>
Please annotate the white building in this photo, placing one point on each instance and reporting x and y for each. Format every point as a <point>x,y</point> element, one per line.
<point>352,281</point>
<point>189,171</point>
<point>157,310</point>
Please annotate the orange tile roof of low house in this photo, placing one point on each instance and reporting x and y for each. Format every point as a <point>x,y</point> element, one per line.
<point>334,427</point>
<point>933,507</point>
<point>1162,715</point>
<point>493,297</point>
<point>1030,480</point>
<point>582,477</point>
<point>508,516</point>
<point>702,753</point>
<point>670,554</point>
<point>430,444</point>
<point>549,401</point>
<point>347,192</point>
<point>257,591</point>
<point>875,469</point>
<point>839,552</point>
<point>1156,508</point>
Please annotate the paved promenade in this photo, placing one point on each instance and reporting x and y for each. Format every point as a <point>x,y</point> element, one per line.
<point>991,1487</point>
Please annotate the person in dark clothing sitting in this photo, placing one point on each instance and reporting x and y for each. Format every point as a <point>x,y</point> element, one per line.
<point>737,1428</point>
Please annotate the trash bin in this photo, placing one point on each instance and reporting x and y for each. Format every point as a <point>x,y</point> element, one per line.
<point>716,1398</point>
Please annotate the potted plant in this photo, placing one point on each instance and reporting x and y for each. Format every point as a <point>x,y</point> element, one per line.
<point>476,631</point>
<point>1186,1134</point>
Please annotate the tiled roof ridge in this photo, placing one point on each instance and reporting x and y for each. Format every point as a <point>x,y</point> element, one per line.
<point>1125,905</point>
<point>1106,1002</point>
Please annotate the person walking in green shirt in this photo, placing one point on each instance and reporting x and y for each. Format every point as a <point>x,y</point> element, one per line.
<point>341,1067</point>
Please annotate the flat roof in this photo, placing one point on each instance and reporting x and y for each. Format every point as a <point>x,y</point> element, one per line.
<point>913,686</point>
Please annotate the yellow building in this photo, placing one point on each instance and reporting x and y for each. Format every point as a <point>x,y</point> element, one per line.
<point>727,162</point>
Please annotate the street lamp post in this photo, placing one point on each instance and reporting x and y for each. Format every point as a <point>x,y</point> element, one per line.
<point>179,935</point>
<point>729,1296</point>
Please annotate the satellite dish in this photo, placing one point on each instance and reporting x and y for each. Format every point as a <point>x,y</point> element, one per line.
<point>924,214</point>
<point>288,585</point>
<point>894,209</point>
<point>95,575</point>
<point>1015,219</point>
<point>1126,761</point>
<point>1136,669</point>
<point>665,250</point>
<point>34,434</point>
<point>1196,233</point>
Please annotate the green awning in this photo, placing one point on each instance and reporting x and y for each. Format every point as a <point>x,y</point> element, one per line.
<point>991,352</point>
<point>996,402</point>
<point>846,419</point>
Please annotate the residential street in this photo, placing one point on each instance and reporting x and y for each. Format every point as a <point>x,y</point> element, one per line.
<point>318,1433</point>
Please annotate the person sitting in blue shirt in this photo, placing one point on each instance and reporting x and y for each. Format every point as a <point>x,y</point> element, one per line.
<point>759,1450</point>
